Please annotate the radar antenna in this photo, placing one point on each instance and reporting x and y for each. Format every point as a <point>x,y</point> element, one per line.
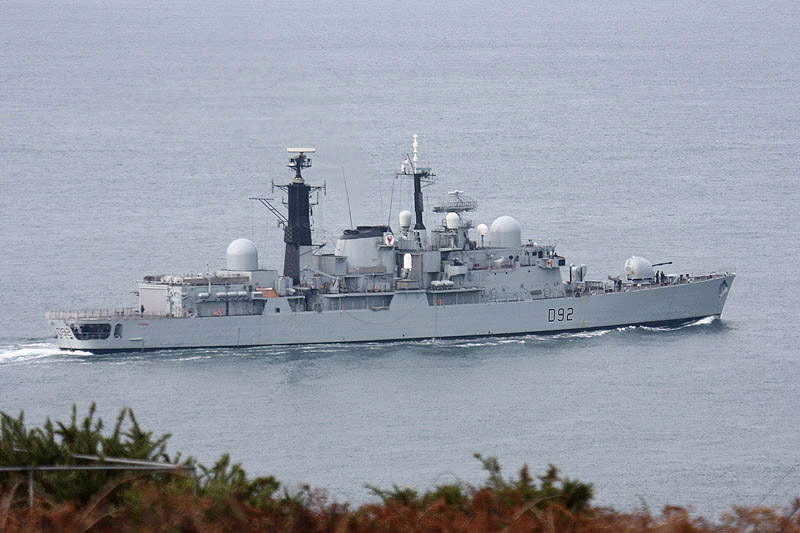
<point>456,202</point>
<point>300,161</point>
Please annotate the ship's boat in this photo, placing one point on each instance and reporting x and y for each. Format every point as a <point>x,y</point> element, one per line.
<point>381,284</point>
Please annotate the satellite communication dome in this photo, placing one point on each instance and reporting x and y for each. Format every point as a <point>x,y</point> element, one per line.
<point>638,268</point>
<point>405,218</point>
<point>242,255</point>
<point>483,229</point>
<point>452,221</point>
<point>505,233</point>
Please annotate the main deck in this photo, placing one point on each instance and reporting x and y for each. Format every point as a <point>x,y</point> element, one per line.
<point>409,316</point>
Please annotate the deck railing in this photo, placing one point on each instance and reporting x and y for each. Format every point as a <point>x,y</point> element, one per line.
<point>103,314</point>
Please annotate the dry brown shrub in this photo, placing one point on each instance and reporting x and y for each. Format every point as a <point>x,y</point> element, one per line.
<point>148,506</point>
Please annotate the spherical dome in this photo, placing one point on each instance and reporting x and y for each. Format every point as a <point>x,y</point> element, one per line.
<point>405,218</point>
<point>483,229</point>
<point>505,233</point>
<point>452,221</point>
<point>242,255</point>
<point>638,268</point>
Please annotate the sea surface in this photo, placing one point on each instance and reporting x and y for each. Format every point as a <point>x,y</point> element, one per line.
<point>133,133</point>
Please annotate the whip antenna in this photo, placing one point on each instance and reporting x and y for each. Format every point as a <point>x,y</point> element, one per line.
<point>347,194</point>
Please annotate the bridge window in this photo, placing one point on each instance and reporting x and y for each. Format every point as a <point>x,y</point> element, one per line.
<point>85,332</point>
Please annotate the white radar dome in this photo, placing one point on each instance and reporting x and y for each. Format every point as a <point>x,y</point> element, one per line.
<point>483,229</point>
<point>242,255</point>
<point>505,233</point>
<point>405,218</point>
<point>452,221</point>
<point>638,268</point>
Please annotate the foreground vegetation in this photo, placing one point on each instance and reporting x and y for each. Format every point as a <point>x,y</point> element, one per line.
<point>193,497</point>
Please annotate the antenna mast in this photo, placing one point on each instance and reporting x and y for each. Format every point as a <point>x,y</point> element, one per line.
<point>419,174</point>
<point>297,224</point>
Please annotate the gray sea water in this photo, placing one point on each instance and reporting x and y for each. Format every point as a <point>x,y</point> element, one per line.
<point>132,134</point>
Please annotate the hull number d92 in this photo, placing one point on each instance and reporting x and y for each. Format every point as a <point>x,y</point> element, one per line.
<point>559,314</point>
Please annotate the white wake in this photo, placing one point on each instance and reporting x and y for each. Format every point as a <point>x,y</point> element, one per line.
<point>18,353</point>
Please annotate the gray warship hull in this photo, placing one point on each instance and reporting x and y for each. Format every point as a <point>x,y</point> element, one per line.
<point>378,285</point>
<point>410,316</point>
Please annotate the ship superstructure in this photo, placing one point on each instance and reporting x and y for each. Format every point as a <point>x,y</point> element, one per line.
<point>378,284</point>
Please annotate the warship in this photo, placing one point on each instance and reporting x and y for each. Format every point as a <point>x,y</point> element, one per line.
<point>378,284</point>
